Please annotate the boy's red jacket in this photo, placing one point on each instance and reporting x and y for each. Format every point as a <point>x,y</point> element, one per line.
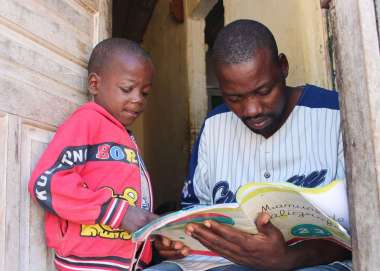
<point>86,179</point>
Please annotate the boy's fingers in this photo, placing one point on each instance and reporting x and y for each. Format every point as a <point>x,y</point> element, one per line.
<point>177,245</point>
<point>166,242</point>
<point>162,243</point>
<point>153,216</point>
<point>171,254</point>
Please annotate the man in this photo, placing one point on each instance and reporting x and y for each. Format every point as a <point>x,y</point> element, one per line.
<point>265,132</point>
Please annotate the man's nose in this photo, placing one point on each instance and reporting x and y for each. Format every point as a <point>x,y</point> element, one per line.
<point>252,107</point>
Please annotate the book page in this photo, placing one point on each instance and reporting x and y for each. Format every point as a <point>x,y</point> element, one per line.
<point>295,212</point>
<point>173,225</point>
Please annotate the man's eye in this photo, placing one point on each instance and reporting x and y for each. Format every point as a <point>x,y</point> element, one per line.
<point>264,91</point>
<point>234,98</point>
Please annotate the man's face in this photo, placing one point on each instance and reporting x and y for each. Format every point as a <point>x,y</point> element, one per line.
<point>256,91</point>
<point>123,86</point>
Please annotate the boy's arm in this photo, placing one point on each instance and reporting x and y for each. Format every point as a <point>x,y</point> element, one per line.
<point>56,182</point>
<point>135,218</point>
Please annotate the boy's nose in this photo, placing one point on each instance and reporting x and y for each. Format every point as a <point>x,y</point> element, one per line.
<point>137,96</point>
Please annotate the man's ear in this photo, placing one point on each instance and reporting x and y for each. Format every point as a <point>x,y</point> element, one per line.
<point>93,83</point>
<point>284,65</point>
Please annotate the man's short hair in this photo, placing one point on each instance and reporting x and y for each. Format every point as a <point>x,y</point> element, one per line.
<point>105,49</point>
<point>238,41</point>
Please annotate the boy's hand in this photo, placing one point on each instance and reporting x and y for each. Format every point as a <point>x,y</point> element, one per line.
<point>135,218</point>
<point>169,249</point>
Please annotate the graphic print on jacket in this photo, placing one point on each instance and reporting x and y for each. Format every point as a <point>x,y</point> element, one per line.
<point>105,231</point>
<point>75,156</point>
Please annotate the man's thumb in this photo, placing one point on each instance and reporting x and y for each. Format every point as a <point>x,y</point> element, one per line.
<point>263,223</point>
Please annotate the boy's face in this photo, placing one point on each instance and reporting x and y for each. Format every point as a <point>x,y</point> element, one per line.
<point>122,86</point>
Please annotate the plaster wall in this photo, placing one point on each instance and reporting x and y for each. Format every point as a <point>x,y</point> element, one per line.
<point>165,120</point>
<point>298,27</point>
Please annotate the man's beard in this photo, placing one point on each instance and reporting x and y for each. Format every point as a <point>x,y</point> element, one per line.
<point>275,120</point>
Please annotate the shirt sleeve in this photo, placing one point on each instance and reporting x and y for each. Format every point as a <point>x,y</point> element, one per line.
<point>197,189</point>
<point>58,186</point>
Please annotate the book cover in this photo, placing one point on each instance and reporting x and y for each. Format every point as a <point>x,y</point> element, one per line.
<point>299,213</point>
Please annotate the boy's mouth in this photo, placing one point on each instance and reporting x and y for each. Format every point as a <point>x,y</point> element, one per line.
<point>132,113</point>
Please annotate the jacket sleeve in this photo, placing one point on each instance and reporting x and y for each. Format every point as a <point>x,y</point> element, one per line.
<point>197,189</point>
<point>56,182</point>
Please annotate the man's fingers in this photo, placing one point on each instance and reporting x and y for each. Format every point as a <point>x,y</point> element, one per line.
<point>229,233</point>
<point>222,247</point>
<point>211,240</point>
<point>264,225</point>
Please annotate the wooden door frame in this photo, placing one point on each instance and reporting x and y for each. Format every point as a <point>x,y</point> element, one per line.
<point>196,62</point>
<point>358,79</point>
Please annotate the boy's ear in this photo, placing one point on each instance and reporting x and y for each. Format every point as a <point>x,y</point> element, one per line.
<point>93,82</point>
<point>284,65</point>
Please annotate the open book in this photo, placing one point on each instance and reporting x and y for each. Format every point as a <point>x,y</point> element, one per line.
<point>300,213</point>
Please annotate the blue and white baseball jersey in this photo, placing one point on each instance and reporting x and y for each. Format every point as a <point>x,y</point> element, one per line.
<point>306,151</point>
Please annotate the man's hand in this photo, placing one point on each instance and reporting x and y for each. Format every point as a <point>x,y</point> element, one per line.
<point>135,218</point>
<point>265,250</point>
<point>169,249</point>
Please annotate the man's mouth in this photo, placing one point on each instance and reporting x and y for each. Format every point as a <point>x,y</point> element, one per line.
<point>258,123</point>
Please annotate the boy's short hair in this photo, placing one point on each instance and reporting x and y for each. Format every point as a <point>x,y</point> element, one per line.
<point>238,41</point>
<point>108,47</point>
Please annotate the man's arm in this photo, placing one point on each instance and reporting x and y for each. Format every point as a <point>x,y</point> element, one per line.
<point>266,250</point>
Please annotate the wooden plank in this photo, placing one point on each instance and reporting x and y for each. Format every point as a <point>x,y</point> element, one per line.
<point>3,196</point>
<point>70,12</point>
<point>358,70</point>
<point>44,47</point>
<point>377,5</point>
<point>203,7</point>
<point>26,100</point>
<point>54,32</point>
<point>104,21</point>
<point>92,5</point>
<point>12,194</point>
<point>41,66</point>
<point>35,255</point>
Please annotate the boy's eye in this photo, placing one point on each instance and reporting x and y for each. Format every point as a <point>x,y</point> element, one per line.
<point>126,89</point>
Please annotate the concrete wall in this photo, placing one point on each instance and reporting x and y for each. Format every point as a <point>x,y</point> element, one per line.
<point>298,26</point>
<point>165,122</point>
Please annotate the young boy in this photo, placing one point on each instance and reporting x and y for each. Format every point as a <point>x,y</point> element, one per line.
<point>91,179</point>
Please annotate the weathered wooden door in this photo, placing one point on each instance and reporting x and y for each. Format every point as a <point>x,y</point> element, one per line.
<point>44,47</point>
